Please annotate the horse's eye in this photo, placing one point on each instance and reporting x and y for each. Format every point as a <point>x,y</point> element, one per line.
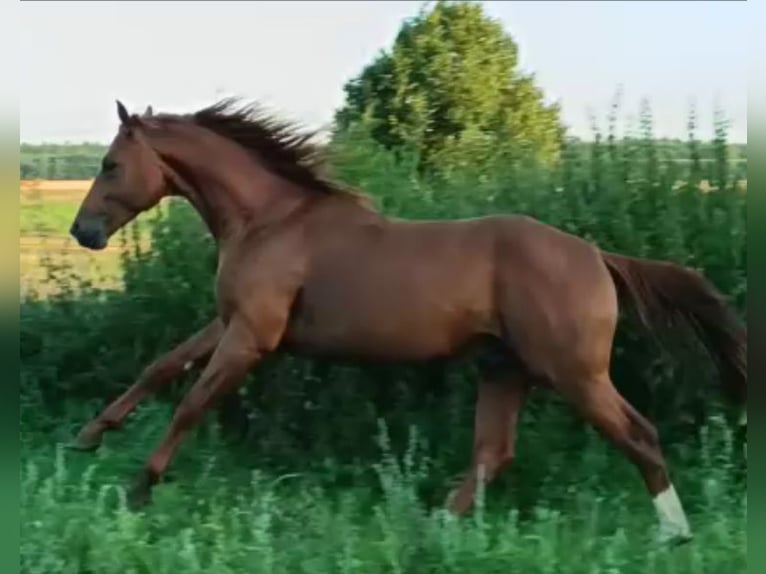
<point>108,165</point>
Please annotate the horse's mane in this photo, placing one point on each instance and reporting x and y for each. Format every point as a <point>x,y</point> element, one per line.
<point>282,146</point>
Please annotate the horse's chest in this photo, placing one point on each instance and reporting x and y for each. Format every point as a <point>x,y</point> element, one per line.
<point>244,279</point>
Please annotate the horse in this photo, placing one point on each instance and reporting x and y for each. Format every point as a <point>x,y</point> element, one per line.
<point>308,265</point>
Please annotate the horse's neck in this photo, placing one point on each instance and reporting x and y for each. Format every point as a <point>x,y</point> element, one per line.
<point>230,191</point>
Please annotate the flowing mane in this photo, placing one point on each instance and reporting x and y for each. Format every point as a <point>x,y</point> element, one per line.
<point>280,145</point>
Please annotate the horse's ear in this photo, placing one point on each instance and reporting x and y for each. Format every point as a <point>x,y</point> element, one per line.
<point>122,113</point>
<point>149,112</point>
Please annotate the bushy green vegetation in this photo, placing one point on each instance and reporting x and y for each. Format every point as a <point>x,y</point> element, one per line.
<point>451,89</point>
<point>308,428</point>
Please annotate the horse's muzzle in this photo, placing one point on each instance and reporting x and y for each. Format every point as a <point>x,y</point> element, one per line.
<point>90,236</point>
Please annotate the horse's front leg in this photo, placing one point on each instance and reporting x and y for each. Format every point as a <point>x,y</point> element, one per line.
<point>239,349</point>
<point>159,373</point>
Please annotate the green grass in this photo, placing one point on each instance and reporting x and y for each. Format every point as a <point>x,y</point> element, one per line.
<point>224,514</point>
<point>46,218</point>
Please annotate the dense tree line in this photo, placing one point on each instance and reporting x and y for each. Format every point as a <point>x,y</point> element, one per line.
<point>82,161</point>
<point>60,161</point>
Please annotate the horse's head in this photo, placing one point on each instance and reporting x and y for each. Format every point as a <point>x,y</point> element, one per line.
<point>131,180</point>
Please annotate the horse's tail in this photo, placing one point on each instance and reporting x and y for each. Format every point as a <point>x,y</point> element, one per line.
<point>664,293</point>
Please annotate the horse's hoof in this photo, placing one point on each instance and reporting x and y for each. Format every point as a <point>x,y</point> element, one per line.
<point>676,539</point>
<point>681,540</point>
<point>138,499</point>
<point>84,443</point>
<point>140,493</point>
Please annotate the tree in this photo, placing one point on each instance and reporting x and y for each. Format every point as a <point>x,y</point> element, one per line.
<point>450,90</point>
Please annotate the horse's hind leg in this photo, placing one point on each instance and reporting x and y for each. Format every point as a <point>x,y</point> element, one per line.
<point>162,371</point>
<point>500,399</point>
<point>561,306</point>
<point>619,422</point>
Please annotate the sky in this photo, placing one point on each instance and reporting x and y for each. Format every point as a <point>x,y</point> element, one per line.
<point>76,58</point>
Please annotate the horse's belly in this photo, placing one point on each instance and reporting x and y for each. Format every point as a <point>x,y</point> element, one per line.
<point>405,332</point>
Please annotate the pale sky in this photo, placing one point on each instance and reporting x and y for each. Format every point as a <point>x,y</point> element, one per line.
<point>76,58</point>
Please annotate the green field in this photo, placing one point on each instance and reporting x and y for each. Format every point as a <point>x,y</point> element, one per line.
<point>50,219</point>
<point>227,513</point>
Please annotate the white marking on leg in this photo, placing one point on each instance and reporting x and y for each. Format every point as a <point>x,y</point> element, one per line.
<point>743,418</point>
<point>673,522</point>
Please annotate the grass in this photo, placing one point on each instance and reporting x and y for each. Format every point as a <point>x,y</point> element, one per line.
<point>49,218</point>
<point>224,514</point>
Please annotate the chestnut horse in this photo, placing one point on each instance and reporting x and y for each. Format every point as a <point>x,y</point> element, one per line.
<point>308,266</point>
